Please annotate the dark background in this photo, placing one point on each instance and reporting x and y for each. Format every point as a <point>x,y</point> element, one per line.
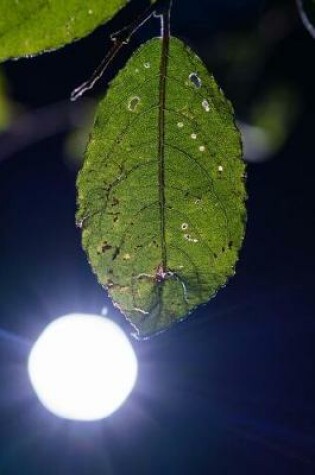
<point>231,390</point>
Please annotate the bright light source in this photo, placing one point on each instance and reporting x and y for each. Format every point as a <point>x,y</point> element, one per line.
<point>82,367</point>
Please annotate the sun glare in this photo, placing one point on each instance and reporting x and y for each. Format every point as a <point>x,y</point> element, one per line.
<point>82,367</point>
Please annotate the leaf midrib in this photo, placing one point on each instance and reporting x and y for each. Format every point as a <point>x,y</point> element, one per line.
<point>161,142</point>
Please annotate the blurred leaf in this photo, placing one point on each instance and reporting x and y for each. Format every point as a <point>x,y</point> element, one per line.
<point>161,194</point>
<point>307,13</point>
<point>5,105</point>
<point>256,143</point>
<point>76,142</point>
<point>28,27</point>
<point>275,114</point>
<point>271,120</point>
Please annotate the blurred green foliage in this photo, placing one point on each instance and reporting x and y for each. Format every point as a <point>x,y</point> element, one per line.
<point>6,111</point>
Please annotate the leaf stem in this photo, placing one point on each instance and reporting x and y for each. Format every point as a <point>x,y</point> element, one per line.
<point>120,39</point>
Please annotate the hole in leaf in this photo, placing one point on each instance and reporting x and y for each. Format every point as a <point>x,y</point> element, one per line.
<point>133,103</point>
<point>206,105</point>
<point>195,79</point>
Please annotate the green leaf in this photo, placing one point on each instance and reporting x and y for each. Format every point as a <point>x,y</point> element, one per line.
<point>28,27</point>
<point>307,12</point>
<point>161,194</point>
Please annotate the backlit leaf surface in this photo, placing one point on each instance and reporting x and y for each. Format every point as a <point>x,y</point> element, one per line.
<point>161,194</point>
<point>29,27</point>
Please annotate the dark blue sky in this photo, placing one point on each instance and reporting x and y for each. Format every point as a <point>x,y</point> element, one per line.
<point>231,390</point>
